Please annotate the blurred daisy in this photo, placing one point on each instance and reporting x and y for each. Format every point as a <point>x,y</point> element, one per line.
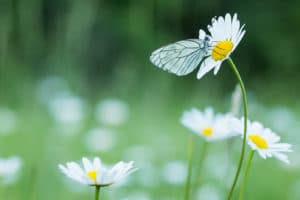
<point>100,140</point>
<point>9,169</point>
<point>210,126</point>
<point>262,140</point>
<point>175,172</point>
<point>67,110</point>
<point>209,191</point>
<point>112,112</point>
<point>68,113</point>
<point>94,173</point>
<point>226,33</point>
<point>52,87</point>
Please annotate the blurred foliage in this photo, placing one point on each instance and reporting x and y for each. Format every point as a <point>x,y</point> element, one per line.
<point>100,45</point>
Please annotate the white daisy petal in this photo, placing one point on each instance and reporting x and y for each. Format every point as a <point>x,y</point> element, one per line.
<point>228,26</point>
<point>97,163</point>
<point>202,34</point>
<point>217,68</point>
<point>73,171</point>
<point>75,168</point>
<point>282,157</point>
<point>87,164</point>
<point>207,65</point>
<point>240,37</point>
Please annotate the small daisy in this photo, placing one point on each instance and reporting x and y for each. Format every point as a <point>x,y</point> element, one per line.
<point>112,112</point>
<point>94,173</point>
<point>226,33</point>
<point>262,140</point>
<point>210,126</point>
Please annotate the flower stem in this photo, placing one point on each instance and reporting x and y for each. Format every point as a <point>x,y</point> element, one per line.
<point>190,164</point>
<point>201,162</point>
<point>250,156</point>
<point>237,74</point>
<point>97,192</point>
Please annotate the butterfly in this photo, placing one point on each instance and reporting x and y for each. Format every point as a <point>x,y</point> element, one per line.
<point>182,57</point>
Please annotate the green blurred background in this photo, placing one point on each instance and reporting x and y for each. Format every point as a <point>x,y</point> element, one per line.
<point>61,61</point>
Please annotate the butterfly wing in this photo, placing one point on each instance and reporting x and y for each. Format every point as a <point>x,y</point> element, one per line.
<point>181,57</point>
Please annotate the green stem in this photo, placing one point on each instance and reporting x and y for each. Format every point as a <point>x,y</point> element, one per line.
<point>250,156</point>
<point>237,74</point>
<point>189,175</point>
<point>198,178</point>
<point>97,192</point>
<point>201,162</point>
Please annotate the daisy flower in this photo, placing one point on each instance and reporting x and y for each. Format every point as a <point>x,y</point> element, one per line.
<point>210,126</point>
<point>94,173</point>
<point>263,140</point>
<point>226,33</point>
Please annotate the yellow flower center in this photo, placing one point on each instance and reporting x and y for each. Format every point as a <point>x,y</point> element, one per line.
<point>221,50</point>
<point>258,141</point>
<point>93,175</point>
<point>207,131</point>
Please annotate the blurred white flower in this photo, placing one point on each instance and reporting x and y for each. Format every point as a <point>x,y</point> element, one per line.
<point>112,112</point>
<point>208,192</point>
<point>94,173</point>
<point>100,140</point>
<point>9,169</point>
<point>210,126</point>
<point>67,110</point>
<point>262,140</point>
<point>52,87</point>
<point>8,121</point>
<point>175,172</point>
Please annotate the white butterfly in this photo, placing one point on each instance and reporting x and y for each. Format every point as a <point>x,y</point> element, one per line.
<point>182,57</point>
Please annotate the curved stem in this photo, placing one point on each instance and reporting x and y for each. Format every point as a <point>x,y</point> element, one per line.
<point>250,156</point>
<point>97,192</point>
<point>189,175</point>
<point>237,74</point>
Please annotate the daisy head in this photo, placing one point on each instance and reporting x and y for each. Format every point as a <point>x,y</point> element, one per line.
<point>262,140</point>
<point>206,124</point>
<point>225,34</point>
<point>94,173</point>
